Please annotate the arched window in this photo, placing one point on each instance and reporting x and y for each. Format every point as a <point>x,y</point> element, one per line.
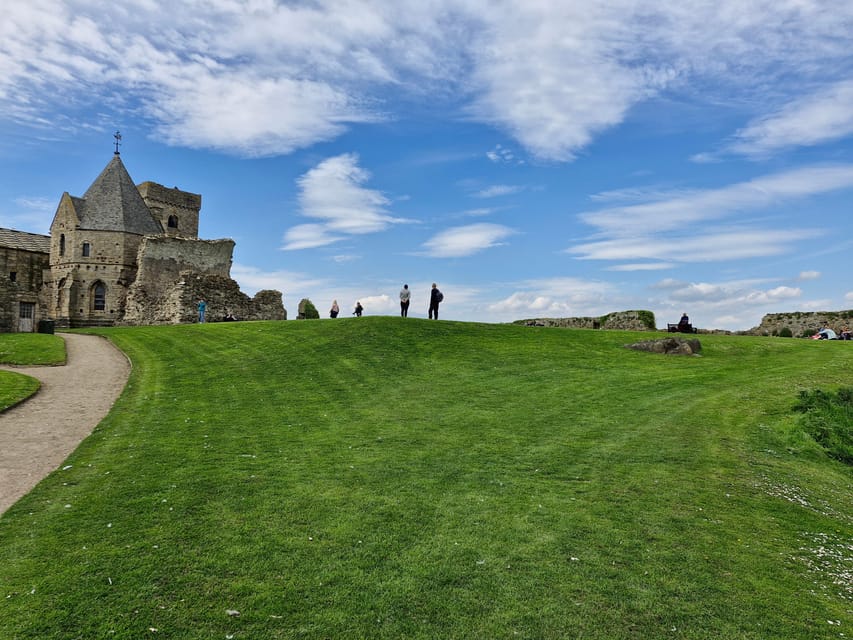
<point>99,296</point>
<point>62,244</point>
<point>86,249</point>
<point>173,222</point>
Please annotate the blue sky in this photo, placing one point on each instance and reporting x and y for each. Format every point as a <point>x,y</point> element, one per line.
<point>535,159</point>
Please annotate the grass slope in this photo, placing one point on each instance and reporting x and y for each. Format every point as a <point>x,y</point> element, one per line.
<point>389,478</point>
<point>26,349</point>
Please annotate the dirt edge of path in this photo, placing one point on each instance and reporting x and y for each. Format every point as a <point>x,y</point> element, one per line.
<point>38,433</point>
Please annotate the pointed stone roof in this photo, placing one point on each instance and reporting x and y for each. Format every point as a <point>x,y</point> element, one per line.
<point>113,203</point>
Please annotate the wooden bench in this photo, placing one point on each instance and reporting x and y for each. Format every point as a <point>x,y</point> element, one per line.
<point>681,328</point>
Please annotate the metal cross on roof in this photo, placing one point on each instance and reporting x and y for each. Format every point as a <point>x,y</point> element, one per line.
<point>117,136</point>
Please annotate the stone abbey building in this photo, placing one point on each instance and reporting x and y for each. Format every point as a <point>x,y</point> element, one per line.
<point>122,254</point>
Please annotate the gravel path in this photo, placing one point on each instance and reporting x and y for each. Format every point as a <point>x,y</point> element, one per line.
<point>38,434</point>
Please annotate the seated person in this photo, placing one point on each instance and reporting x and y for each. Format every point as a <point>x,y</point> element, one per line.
<point>684,320</point>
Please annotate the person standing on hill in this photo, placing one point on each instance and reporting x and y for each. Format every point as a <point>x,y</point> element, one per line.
<point>335,310</point>
<point>202,307</point>
<point>405,296</point>
<point>435,298</point>
<point>358,310</point>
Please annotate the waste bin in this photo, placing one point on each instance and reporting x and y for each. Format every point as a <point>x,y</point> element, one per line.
<point>46,326</point>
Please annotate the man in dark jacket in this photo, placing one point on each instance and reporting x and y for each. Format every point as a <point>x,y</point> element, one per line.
<point>435,297</point>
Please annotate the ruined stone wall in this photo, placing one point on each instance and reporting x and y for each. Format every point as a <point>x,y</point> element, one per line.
<point>624,320</point>
<point>174,273</point>
<point>801,323</point>
<point>167,258</point>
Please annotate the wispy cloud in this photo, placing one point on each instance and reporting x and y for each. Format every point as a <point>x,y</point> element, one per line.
<point>554,297</point>
<point>333,192</point>
<point>707,225</point>
<point>669,213</point>
<point>497,190</point>
<point>467,240</point>
<point>809,275</point>
<point>822,117</point>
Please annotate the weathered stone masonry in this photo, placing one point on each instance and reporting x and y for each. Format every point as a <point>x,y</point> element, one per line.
<point>122,254</point>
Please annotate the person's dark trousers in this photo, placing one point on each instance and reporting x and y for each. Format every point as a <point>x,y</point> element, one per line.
<point>433,311</point>
<point>404,309</point>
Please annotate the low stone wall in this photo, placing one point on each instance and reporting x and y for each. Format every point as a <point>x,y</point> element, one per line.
<point>622,320</point>
<point>801,323</point>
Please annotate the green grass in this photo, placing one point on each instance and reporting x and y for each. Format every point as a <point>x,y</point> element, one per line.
<point>389,478</point>
<point>26,349</point>
<point>31,349</point>
<point>15,387</point>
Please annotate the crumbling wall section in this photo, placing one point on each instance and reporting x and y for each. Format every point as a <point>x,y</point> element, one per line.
<point>802,323</point>
<point>623,320</point>
<point>175,273</point>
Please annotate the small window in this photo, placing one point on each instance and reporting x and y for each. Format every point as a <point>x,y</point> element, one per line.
<point>99,297</point>
<point>86,250</point>
<point>62,244</point>
<point>13,276</point>
<point>173,222</point>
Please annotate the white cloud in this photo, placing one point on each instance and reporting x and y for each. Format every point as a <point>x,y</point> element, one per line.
<point>464,241</point>
<point>686,225</point>
<point>252,280</point>
<point>308,236</point>
<point>668,213</point>
<point>849,296</point>
<point>500,155</point>
<point>734,244</point>
<point>642,266</point>
<point>555,297</point>
<point>497,190</point>
<point>822,117</point>
<point>809,275</point>
<point>259,78</point>
<point>733,305</point>
<point>333,192</point>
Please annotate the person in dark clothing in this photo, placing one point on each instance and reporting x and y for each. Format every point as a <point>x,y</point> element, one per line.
<point>435,298</point>
<point>405,298</point>
<point>358,310</point>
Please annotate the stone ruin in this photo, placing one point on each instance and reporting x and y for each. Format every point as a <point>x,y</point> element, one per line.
<point>801,323</point>
<point>174,273</point>
<point>622,320</point>
<point>669,346</point>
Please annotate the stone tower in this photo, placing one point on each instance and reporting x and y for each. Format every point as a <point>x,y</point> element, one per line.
<point>128,254</point>
<point>95,241</point>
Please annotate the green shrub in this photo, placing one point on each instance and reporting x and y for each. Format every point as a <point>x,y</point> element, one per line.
<point>828,418</point>
<point>307,310</point>
<point>785,332</point>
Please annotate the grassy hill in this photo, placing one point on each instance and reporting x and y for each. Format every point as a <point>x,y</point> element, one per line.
<point>389,478</point>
